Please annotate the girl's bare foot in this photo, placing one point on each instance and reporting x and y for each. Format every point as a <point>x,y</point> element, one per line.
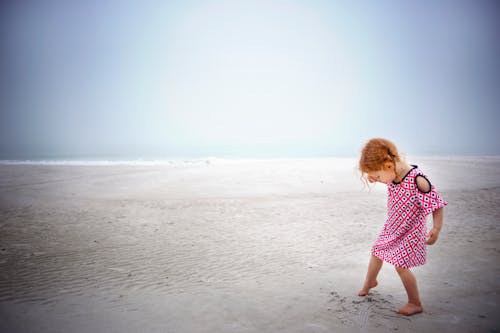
<point>367,287</point>
<point>410,309</point>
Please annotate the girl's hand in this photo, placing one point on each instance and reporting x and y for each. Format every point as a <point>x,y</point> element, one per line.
<point>432,236</point>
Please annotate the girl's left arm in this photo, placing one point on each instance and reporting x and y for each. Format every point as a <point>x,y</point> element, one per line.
<point>437,219</point>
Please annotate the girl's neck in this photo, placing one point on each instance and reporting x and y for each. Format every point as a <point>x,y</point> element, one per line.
<point>402,169</point>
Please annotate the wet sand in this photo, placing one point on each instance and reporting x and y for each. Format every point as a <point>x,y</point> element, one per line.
<point>236,246</point>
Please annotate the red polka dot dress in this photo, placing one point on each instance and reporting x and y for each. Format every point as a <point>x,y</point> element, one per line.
<point>402,239</point>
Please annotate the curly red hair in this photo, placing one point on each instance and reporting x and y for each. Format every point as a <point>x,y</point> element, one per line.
<point>375,155</point>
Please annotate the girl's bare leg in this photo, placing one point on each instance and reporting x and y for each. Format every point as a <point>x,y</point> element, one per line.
<point>410,283</point>
<point>371,276</point>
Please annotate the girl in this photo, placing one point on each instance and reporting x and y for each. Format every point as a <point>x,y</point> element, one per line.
<point>411,197</point>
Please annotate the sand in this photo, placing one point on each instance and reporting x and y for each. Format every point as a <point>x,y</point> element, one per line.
<point>236,246</point>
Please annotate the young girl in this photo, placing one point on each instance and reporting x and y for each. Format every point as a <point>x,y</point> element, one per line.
<point>411,197</point>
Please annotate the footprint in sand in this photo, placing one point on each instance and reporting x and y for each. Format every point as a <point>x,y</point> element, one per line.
<point>358,311</point>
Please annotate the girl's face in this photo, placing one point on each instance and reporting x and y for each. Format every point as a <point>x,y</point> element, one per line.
<point>385,176</point>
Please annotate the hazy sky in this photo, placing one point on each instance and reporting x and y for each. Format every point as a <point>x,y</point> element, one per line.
<point>247,78</point>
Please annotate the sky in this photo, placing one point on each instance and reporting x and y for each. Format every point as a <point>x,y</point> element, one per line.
<point>176,79</point>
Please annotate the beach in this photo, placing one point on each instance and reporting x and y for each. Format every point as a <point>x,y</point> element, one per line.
<point>215,245</point>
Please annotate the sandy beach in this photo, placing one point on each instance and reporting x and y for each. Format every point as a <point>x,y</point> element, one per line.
<point>236,246</point>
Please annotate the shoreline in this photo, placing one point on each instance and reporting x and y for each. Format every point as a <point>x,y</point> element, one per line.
<point>180,160</point>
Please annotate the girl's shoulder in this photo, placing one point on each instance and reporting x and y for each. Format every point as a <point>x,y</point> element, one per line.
<point>415,178</point>
<point>409,176</point>
<point>421,181</point>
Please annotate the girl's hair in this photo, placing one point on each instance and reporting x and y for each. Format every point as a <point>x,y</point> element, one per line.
<point>376,153</point>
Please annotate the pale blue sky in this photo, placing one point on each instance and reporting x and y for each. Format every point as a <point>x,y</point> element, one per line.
<point>160,79</point>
